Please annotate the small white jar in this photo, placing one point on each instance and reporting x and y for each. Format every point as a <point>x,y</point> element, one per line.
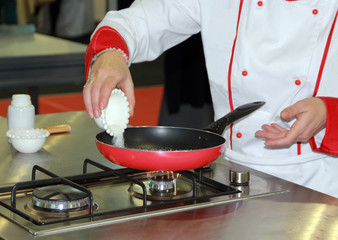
<point>21,112</point>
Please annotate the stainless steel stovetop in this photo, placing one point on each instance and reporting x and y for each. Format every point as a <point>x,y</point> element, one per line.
<point>41,207</point>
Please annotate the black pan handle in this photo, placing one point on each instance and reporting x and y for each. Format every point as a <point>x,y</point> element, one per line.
<point>219,125</point>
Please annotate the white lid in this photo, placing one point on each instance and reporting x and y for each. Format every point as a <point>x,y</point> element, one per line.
<point>21,100</point>
<point>115,117</point>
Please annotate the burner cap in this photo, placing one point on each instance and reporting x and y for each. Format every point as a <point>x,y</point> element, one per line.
<point>59,197</point>
<point>162,185</point>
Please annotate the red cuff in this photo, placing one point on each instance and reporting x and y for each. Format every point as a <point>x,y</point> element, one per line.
<point>330,142</point>
<point>105,37</point>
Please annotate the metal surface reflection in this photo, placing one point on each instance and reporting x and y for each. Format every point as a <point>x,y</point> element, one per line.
<point>268,208</point>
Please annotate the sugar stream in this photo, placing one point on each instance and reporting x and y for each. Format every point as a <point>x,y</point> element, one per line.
<point>117,133</point>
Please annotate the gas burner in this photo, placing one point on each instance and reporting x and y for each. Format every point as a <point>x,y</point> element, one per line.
<point>59,198</point>
<point>59,201</point>
<point>163,186</point>
<point>163,181</point>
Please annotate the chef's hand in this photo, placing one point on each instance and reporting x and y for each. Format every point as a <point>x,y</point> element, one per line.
<point>109,71</point>
<point>310,114</point>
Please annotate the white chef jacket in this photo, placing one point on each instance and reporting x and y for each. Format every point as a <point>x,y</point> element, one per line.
<point>275,51</point>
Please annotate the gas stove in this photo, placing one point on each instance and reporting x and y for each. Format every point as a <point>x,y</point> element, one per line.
<point>53,204</point>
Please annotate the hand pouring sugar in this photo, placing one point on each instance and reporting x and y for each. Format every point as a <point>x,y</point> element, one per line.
<point>115,117</point>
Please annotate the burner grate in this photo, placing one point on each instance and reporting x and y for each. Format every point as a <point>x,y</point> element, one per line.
<point>115,176</point>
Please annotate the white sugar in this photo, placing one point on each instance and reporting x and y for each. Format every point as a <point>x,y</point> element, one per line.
<point>117,133</point>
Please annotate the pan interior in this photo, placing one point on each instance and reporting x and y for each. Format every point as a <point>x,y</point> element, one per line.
<point>166,139</point>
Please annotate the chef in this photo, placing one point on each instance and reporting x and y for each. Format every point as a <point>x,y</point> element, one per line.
<point>283,52</point>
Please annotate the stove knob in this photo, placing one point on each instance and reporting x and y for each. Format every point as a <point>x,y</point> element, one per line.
<point>239,178</point>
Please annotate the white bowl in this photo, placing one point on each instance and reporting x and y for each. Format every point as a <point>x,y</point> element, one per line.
<point>115,117</point>
<point>28,140</point>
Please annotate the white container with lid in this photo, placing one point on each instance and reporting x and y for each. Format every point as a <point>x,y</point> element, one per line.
<point>21,112</point>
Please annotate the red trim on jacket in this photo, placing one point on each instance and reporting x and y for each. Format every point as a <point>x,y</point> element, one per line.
<point>299,148</point>
<point>230,68</point>
<point>328,42</point>
<point>105,37</point>
<point>329,144</point>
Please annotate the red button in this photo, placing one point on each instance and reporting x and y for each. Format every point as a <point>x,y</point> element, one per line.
<point>239,135</point>
<point>260,3</point>
<point>244,73</point>
<point>298,82</point>
<point>315,11</point>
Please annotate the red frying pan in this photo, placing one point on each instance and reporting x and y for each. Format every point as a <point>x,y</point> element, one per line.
<point>171,148</point>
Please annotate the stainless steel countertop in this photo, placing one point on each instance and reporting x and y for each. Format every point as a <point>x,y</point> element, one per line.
<point>62,153</point>
<point>36,45</point>
<point>298,214</point>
